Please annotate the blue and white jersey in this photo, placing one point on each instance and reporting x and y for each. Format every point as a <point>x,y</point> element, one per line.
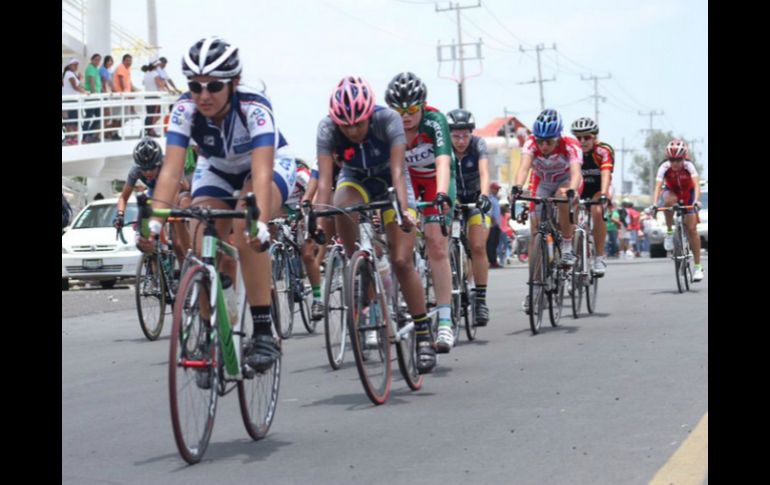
<point>249,125</point>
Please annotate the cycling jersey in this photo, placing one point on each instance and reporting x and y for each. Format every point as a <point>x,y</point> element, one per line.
<point>600,158</point>
<point>555,166</point>
<point>467,170</point>
<point>224,161</point>
<point>365,165</point>
<point>300,186</point>
<point>679,182</point>
<point>432,140</point>
<point>136,174</point>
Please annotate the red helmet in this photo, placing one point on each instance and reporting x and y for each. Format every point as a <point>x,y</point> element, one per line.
<point>676,149</point>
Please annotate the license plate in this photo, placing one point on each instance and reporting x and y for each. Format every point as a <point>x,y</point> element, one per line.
<point>92,263</point>
<point>455,228</point>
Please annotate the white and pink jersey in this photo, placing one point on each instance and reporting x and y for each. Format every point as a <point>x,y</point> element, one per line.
<point>553,167</point>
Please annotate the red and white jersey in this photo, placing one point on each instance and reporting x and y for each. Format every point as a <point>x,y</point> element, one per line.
<point>680,182</point>
<point>554,166</point>
<point>303,178</point>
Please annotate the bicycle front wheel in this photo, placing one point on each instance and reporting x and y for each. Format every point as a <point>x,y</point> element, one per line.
<point>368,328</point>
<point>556,296</point>
<point>258,395</point>
<point>150,293</point>
<point>406,348</point>
<point>537,280</point>
<point>679,262</point>
<point>193,378</point>
<point>455,265</point>
<point>335,330</point>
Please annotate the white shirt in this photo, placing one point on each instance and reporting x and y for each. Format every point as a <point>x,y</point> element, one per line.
<point>67,88</point>
<point>149,81</point>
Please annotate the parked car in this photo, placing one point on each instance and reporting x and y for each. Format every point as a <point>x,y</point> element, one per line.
<point>90,249</point>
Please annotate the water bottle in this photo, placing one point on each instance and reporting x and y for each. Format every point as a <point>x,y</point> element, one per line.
<point>383,266</point>
<point>549,241</point>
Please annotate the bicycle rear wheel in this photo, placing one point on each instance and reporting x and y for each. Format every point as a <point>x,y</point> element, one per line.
<point>282,282</point>
<point>537,281</point>
<point>688,262</point>
<point>456,266</point>
<point>193,376</point>
<point>556,296</point>
<point>578,275</point>
<point>150,294</point>
<point>366,313</point>
<point>335,330</point>
<point>258,395</point>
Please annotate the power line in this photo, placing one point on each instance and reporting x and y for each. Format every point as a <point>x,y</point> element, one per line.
<point>519,39</point>
<point>596,96</point>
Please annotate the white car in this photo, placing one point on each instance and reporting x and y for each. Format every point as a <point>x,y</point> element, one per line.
<point>90,249</point>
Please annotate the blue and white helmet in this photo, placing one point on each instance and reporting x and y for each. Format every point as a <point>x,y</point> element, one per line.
<point>548,124</point>
<point>212,56</point>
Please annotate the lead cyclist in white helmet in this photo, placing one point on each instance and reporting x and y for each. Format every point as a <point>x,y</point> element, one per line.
<point>240,149</point>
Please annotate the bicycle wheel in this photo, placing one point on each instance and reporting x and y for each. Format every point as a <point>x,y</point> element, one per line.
<point>301,290</point>
<point>578,276</point>
<point>592,290</point>
<point>258,395</point>
<point>455,265</point>
<point>556,296</point>
<point>193,378</point>
<point>150,293</point>
<point>688,262</point>
<point>679,262</point>
<point>365,314</point>
<point>282,282</point>
<point>335,330</point>
<point>406,348</point>
<point>537,283</point>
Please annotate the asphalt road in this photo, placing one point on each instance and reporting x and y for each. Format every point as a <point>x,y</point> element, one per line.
<point>606,398</point>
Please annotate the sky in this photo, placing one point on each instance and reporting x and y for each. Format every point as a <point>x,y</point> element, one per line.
<point>655,51</point>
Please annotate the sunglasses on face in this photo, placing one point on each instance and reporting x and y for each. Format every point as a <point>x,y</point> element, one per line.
<point>546,141</point>
<point>211,86</point>
<point>410,110</point>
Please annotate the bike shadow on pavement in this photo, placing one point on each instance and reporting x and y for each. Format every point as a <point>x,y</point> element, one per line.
<point>140,340</point>
<point>547,330</point>
<point>673,292</point>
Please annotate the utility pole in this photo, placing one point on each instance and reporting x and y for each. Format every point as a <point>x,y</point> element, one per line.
<point>653,163</point>
<point>596,96</point>
<point>623,152</point>
<point>461,57</point>
<point>691,144</point>
<point>538,48</point>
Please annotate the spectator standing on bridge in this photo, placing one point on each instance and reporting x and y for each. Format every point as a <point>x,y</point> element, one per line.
<point>106,76</point>
<point>121,83</point>
<point>170,86</point>
<point>70,84</point>
<point>93,84</point>
<point>152,83</point>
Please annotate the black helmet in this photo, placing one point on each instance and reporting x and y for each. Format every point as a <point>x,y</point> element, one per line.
<point>148,154</point>
<point>460,119</point>
<point>405,90</point>
<point>212,56</point>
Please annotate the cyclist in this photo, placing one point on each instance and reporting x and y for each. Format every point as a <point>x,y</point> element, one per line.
<point>370,142</point>
<point>681,183</point>
<point>472,169</point>
<point>148,159</point>
<point>240,149</point>
<point>555,160</point>
<point>598,161</point>
<point>428,156</point>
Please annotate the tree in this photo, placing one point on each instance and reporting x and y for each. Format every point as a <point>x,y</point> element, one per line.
<point>655,144</point>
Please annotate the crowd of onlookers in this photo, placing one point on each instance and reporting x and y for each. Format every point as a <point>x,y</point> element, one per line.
<point>101,77</point>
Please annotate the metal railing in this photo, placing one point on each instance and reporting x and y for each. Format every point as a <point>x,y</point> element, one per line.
<point>105,117</point>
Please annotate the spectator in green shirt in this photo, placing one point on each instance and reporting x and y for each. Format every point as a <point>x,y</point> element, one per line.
<point>93,84</point>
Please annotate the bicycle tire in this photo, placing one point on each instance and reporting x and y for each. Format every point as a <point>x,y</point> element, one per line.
<point>537,293</point>
<point>335,328</point>
<point>150,295</point>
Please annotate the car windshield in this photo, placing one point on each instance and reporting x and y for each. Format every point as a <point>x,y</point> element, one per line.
<point>102,216</point>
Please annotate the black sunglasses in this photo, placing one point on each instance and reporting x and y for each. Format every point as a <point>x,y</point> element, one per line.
<point>211,86</point>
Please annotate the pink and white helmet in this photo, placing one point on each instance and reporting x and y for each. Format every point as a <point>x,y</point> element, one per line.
<point>676,148</point>
<point>352,101</point>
